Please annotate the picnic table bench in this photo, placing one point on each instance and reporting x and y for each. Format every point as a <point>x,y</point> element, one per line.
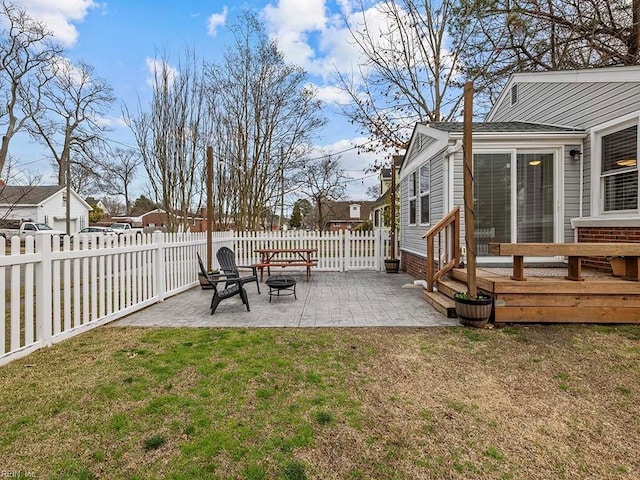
<point>575,252</point>
<point>285,257</point>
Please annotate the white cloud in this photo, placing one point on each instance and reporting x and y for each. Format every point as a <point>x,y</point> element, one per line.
<point>292,23</point>
<point>59,15</point>
<point>296,16</point>
<point>111,122</point>
<point>216,20</point>
<point>157,67</point>
<point>312,37</point>
<point>332,95</point>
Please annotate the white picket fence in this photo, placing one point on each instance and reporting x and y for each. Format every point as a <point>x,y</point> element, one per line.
<point>53,292</point>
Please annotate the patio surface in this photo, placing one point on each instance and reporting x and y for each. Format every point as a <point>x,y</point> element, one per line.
<point>351,299</point>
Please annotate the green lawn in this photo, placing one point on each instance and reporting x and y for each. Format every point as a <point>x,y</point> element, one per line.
<point>518,402</point>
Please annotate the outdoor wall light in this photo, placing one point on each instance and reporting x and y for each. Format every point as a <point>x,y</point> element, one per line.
<point>575,154</point>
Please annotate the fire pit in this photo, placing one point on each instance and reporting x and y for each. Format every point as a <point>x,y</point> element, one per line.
<point>281,283</point>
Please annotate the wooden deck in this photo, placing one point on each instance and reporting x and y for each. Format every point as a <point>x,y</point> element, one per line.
<point>546,296</point>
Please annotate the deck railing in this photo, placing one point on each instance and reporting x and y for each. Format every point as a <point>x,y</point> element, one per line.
<point>443,247</point>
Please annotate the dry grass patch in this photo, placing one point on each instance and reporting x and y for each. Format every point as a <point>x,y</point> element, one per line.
<point>518,402</point>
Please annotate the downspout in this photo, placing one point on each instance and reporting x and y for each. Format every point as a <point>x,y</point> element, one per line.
<point>451,151</point>
<point>580,209</point>
<point>455,148</point>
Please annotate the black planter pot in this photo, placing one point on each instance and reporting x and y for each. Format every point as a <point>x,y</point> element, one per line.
<point>473,312</point>
<point>392,265</point>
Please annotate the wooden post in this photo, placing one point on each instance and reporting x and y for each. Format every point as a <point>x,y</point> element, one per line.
<point>469,215</point>
<point>209,205</point>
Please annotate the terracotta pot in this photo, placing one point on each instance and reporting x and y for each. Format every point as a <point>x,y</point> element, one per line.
<point>618,266</point>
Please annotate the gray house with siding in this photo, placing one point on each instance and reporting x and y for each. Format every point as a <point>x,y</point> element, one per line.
<point>554,161</point>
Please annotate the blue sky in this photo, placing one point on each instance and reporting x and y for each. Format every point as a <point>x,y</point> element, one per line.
<point>120,37</point>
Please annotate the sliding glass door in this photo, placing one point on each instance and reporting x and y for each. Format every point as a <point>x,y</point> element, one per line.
<point>514,198</point>
<point>492,191</point>
<point>534,213</point>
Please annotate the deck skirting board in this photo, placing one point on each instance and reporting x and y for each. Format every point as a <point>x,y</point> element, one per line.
<point>567,314</point>
<point>552,299</point>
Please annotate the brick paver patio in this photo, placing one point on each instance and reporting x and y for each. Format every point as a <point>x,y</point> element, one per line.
<point>351,299</point>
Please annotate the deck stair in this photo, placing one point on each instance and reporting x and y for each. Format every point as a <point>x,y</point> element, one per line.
<point>560,296</point>
<point>441,302</point>
<point>600,298</point>
<point>442,298</point>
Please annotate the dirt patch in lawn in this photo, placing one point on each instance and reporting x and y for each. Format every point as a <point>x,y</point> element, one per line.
<point>530,402</point>
<point>526,402</point>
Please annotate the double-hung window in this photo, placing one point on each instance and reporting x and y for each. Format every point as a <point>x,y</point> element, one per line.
<point>412,198</point>
<point>425,188</point>
<point>619,173</point>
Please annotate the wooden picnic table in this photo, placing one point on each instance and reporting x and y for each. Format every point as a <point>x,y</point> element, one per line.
<point>286,257</point>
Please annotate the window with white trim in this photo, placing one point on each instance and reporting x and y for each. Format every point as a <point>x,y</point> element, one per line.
<point>619,170</point>
<point>412,197</point>
<point>425,189</point>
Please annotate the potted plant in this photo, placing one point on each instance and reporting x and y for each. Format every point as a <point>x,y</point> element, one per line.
<point>618,266</point>
<point>204,284</point>
<point>473,311</point>
<point>392,265</point>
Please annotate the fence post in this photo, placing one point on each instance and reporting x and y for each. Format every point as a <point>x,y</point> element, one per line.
<point>44,288</point>
<point>379,248</point>
<point>347,251</point>
<point>158,262</point>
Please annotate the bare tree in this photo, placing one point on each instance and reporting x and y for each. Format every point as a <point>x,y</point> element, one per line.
<point>373,191</point>
<point>323,181</point>
<point>67,121</point>
<point>26,51</point>
<point>84,178</point>
<point>410,69</point>
<point>113,206</point>
<point>172,136</point>
<point>533,35</point>
<point>116,173</point>
<point>266,115</point>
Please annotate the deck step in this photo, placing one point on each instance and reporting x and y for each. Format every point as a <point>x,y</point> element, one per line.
<point>449,287</point>
<point>441,302</point>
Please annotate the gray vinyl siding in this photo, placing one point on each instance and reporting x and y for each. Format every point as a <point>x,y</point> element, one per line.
<point>579,105</point>
<point>438,182</point>
<point>411,235</point>
<point>586,178</point>
<point>571,192</point>
<point>422,142</point>
<point>458,190</point>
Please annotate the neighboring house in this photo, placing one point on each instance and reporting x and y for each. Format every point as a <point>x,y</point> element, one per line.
<point>381,207</point>
<point>44,203</point>
<point>555,161</point>
<point>347,215</point>
<point>158,219</point>
<point>96,202</point>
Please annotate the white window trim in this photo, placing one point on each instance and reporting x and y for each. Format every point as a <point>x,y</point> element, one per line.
<point>420,194</point>
<point>558,187</point>
<point>413,179</point>
<point>597,182</point>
